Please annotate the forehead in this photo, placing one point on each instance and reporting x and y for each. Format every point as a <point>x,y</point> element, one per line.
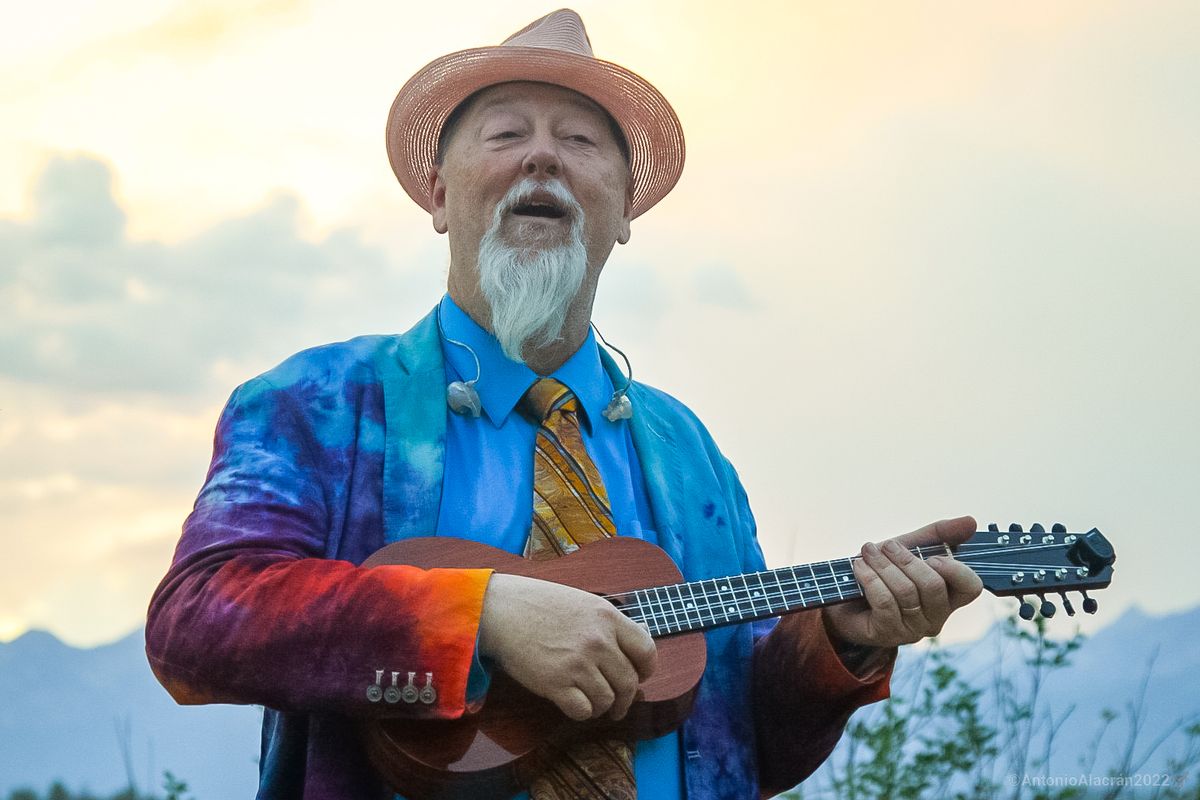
<point>533,96</point>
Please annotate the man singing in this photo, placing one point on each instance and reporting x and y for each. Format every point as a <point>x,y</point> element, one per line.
<point>499,418</point>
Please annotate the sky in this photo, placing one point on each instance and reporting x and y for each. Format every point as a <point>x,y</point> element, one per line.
<point>925,259</point>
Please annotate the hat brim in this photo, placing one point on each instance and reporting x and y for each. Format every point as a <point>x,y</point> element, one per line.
<point>653,132</point>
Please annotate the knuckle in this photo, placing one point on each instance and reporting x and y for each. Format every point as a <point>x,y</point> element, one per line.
<point>594,645</point>
<point>931,583</point>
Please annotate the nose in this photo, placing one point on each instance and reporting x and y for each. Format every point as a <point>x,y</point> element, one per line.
<point>542,157</point>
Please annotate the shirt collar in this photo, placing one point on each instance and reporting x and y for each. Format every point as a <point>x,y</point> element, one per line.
<point>502,382</point>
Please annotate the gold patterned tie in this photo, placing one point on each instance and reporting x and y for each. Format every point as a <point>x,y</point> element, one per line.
<point>570,509</point>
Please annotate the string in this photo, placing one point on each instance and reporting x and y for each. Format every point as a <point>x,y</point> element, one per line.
<point>977,566</point>
<point>718,602</point>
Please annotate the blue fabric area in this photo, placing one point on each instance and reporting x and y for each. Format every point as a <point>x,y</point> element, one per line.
<point>487,489</point>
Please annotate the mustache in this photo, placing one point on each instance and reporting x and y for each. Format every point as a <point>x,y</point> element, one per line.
<point>529,191</point>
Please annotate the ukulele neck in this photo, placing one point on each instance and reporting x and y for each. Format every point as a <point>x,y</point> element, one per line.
<point>711,603</point>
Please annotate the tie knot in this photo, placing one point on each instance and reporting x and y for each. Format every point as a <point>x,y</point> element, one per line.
<point>545,396</point>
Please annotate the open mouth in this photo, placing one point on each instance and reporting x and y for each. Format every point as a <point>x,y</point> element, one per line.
<point>541,203</point>
<point>539,208</point>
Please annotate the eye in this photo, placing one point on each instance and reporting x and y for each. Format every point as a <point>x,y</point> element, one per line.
<point>580,138</point>
<point>505,135</point>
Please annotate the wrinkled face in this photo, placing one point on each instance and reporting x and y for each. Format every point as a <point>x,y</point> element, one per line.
<point>515,131</point>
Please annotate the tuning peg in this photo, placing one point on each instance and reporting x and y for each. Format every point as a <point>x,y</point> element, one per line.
<point>1037,528</point>
<point>1015,528</point>
<point>1026,610</point>
<point>1066,602</point>
<point>1089,603</point>
<point>1047,608</point>
<point>993,527</point>
<point>1058,527</point>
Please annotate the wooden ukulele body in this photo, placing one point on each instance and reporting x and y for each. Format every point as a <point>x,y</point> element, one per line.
<point>492,753</point>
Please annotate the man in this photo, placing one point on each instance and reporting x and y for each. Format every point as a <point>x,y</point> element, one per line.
<point>533,158</point>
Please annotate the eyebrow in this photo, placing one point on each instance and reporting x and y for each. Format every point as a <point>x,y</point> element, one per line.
<point>579,102</point>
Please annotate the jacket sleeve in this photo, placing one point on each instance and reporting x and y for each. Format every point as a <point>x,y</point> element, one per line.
<point>251,610</point>
<point>803,693</point>
<point>803,697</point>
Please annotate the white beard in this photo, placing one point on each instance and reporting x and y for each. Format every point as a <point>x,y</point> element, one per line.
<point>530,289</point>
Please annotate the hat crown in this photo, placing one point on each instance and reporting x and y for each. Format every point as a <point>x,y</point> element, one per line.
<point>558,30</point>
<point>554,49</point>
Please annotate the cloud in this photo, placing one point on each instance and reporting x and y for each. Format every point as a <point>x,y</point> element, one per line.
<point>117,356</point>
<point>91,310</point>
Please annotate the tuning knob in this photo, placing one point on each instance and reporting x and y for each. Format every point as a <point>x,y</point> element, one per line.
<point>1058,527</point>
<point>1015,528</point>
<point>1026,610</point>
<point>1037,528</point>
<point>993,527</point>
<point>1066,602</point>
<point>1047,608</point>
<point>1089,603</point>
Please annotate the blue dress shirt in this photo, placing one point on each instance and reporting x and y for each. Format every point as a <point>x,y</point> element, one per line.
<point>487,489</point>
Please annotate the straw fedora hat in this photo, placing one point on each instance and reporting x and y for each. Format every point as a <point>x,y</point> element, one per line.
<point>554,49</point>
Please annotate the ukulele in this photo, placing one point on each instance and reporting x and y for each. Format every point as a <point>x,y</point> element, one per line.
<point>494,752</point>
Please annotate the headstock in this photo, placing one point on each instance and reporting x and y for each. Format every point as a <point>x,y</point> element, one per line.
<point>1015,563</point>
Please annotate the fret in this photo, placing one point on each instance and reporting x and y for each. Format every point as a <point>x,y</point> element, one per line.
<point>762,587</point>
<point>846,578</point>
<point>796,583</point>
<point>817,584</point>
<point>635,611</point>
<point>665,622</point>
<point>647,612</point>
<point>724,597</point>
<point>673,592</point>
<point>833,576</point>
<point>660,619</point>
<point>777,574</point>
<point>712,602</point>
<point>695,606</point>
<point>744,596</point>
<point>664,608</point>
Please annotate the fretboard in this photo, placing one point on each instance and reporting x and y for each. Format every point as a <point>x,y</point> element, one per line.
<point>713,602</point>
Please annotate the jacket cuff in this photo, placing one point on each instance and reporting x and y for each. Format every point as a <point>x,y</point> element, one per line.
<point>864,663</point>
<point>824,662</point>
<point>446,630</point>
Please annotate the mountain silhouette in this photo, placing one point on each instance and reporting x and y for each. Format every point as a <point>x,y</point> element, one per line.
<point>76,715</point>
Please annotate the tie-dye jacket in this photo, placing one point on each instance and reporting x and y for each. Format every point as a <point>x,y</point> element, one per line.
<point>339,451</point>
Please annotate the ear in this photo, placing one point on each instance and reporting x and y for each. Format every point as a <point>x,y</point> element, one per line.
<point>623,234</point>
<point>437,199</point>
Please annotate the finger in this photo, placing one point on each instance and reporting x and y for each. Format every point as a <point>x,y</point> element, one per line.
<point>574,703</point>
<point>596,689</point>
<point>948,531</point>
<point>638,646</point>
<point>934,599</point>
<point>900,591</point>
<point>623,679</point>
<point>962,584</point>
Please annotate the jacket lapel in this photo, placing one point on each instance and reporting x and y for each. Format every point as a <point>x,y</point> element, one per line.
<point>414,390</point>
<point>652,436</point>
